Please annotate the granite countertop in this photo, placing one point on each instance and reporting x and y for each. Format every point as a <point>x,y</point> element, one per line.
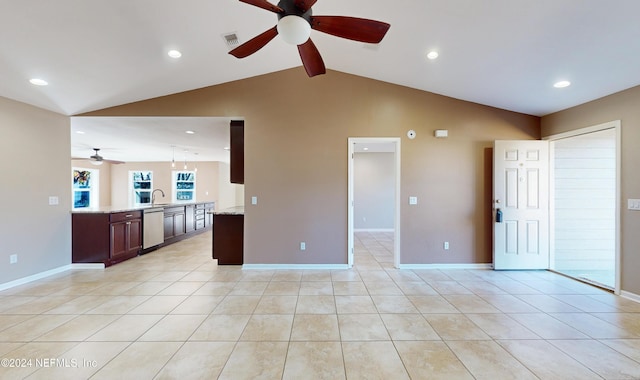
<point>112,209</point>
<point>237,210</point>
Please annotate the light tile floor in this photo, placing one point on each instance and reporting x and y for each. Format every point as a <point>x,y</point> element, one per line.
<point>174,314</point>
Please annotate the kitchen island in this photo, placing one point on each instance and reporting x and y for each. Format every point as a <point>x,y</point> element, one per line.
<point>109,235</point>
<point>228,236</point>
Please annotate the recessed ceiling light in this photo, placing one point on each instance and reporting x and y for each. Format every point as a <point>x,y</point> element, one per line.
<point>562,84</point>
<point>226,148</point>
<point>432,55</point>
<point>365,149</point>
<point>190,132</point>
<point>174,54</point>
<point>80,132</point>
<point>38,82</point>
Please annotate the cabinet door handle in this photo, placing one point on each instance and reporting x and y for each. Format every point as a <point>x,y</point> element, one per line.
<point>128,215</point>
<point>128,223</point>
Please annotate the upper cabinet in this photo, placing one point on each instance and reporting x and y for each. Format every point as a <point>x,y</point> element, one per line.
<point>237,151</point>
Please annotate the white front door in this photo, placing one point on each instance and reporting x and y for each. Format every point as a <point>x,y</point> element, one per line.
<point>521,196</point>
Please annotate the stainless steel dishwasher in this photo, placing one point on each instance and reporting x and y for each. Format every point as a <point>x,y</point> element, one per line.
<point>152,227</point>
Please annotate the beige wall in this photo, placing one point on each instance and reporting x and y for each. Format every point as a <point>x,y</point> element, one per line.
<point>623,106</point>
<point>206,181</point>
<point>296,132</point>
<point>34,164</point>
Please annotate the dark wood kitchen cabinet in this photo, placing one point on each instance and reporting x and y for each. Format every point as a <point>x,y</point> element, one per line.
<point>189,218</point>
<point>174,222</point>
<point>125,235</point>
<point>106,238</point>
<point>228,239</point>
<point>208,214</point>
<point>236,164</point>
<point>203,216</point>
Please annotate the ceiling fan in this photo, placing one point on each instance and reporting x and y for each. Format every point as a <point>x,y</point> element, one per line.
<point>295,24</point>
<point>97,159</point>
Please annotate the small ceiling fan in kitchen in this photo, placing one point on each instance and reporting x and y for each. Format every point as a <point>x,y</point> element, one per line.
<point>295,21</point>
<point>97,159</point>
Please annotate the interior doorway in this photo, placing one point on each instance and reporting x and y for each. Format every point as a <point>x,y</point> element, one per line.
<point>374,196</point>
<point>585,204</point>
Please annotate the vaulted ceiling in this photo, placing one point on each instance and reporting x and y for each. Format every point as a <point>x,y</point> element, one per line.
<point>502,53</point>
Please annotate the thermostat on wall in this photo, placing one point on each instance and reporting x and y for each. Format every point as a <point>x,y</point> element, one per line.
<point>441,133</point>
<point>411,134</point>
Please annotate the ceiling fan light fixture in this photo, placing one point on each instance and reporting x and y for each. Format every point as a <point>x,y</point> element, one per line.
<point>294,30</point>
<point>96,163</point>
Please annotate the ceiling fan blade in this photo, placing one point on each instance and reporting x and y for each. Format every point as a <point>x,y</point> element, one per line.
<point>305,5</point>
<point>311,59</point>
<point>264,4</point>
<point>254,44</point>
<point>114,162</point>
<point>352,28</point>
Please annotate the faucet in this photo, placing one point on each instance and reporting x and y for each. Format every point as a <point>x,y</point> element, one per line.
<point>153,195</point>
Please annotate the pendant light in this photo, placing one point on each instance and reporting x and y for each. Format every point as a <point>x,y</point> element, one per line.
<point>173,156</point>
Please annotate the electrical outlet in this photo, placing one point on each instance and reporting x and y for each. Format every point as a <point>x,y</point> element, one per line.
<point>53,200</point>
<point>446,245</point>
<point>413,200</point>
<point>303,246</point>
<point>13,259</point>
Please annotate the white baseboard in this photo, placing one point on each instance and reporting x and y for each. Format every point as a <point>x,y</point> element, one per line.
<point>51,272</point>
<point>630,296</point>
<point>296,266</point>
<point>83,266</point>
<point>446,266</point>
<point>373,230</point>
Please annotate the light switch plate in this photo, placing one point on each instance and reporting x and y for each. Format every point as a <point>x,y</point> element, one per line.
<point>413,200</point>
<point>254,200</point>
<point>633,204</point>
<point>53,200</point>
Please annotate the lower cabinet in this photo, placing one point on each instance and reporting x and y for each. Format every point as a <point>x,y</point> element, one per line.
<point>189,218</point>
<point>174,222</point>
<point>228,236</point>
<point>106,238</point>
<point>126,239</point>
<point>203,218</point>
<point>208,214</point>
<point>181,222</point>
